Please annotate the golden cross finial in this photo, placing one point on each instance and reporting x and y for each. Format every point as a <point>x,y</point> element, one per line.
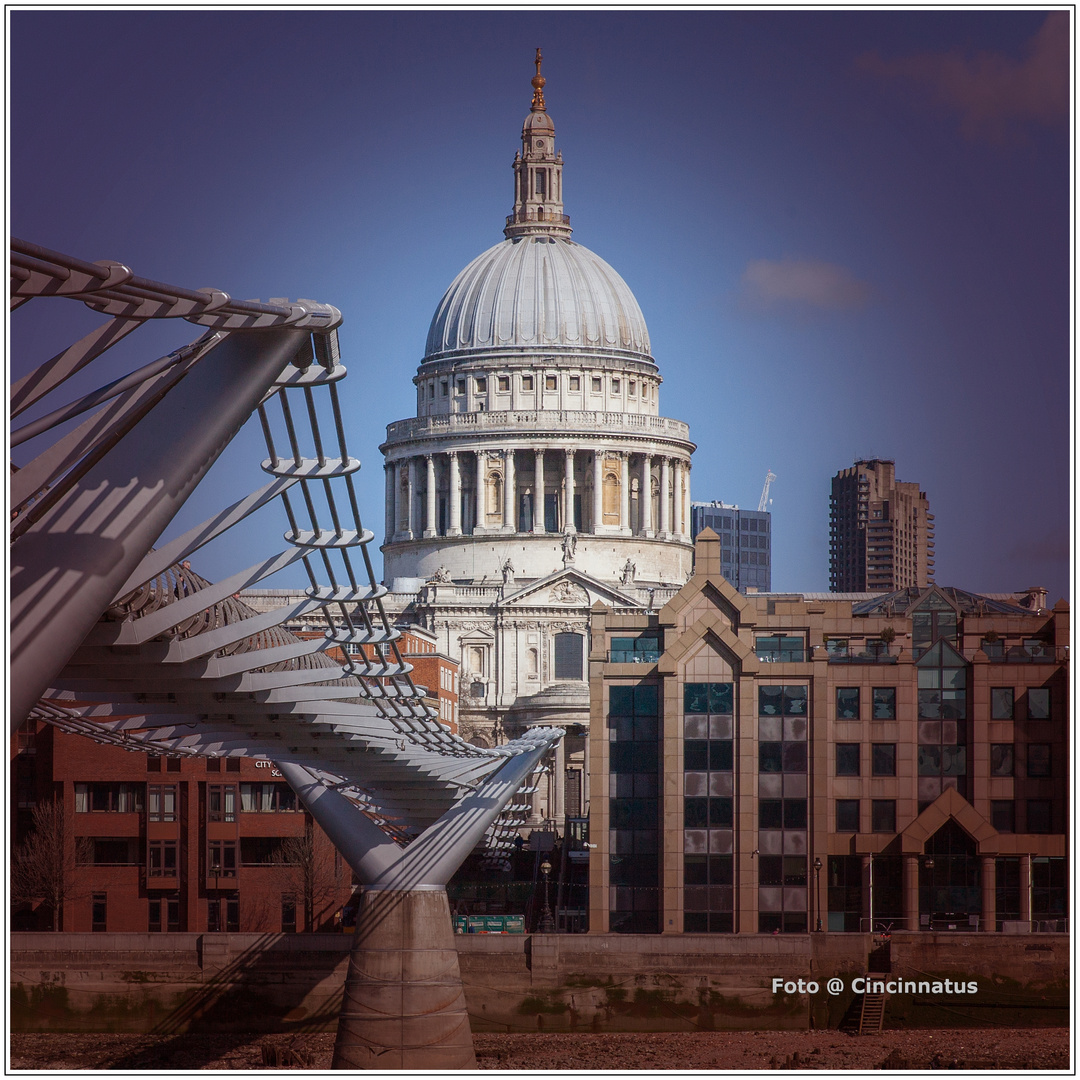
<point>538,82</point>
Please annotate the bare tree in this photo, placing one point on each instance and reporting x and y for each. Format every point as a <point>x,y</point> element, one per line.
<point>43,867</point>
<point>309,871</point>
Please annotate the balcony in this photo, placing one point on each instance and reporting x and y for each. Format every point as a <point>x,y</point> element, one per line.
<point>590,421</point>
<point>870,653</point>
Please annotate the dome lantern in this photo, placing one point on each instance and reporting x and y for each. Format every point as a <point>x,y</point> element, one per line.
<point>538,205</point>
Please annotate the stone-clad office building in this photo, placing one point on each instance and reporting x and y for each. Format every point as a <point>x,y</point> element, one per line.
<point>775,763</point>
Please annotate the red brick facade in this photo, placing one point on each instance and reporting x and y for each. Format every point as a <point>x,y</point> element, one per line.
<point>184,844</point>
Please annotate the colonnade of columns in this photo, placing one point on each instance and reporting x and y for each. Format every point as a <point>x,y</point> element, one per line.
<point>483,493</point>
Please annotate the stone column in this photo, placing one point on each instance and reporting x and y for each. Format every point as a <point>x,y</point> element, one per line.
<point>911,892</point>
<point>481,493</point>
<point>390,508</point>
<point>1025,889</point>
<point>455,496</point>
<point>568,511</point>
<point>432,527</point>
<point>988,921</point>
<point>624,491</point>
<point>677,525</point>
<point>509,490</point>
<point>665,494</point>
<point>646,495</point>
<point>597,490</point>
<point>557,803</point>
<point>867,895</point>
<point>538,493</point>
<point>687,529</point>
<point>410,520</point>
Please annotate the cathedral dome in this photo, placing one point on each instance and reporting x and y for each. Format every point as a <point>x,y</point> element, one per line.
<point>538,292</point>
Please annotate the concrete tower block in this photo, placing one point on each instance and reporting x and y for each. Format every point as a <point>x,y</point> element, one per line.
<point>404,1005</point>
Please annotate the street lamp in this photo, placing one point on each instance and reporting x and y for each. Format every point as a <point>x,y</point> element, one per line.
<point>547,923</point>
<point>817,891</point>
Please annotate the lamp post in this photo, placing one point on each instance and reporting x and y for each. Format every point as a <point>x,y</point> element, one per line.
<point>817,891</point>
<point>547,923</point>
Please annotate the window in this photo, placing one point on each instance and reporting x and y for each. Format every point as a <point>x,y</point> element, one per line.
<point>847,703</point>
<point>883,815</point>
<point>162,802</point>
<point>714,698</point>
<point>232,764</point>
<point>884,702</point>
<point>575,383</point>
<point>644,649</point>
<point>782,701</point>
<point>172,764</point>
<point>780,649</point>
<point>459,386</point>
<point>227,906</point>
<point>259,850</point>
<point>266,798</point>
<point>481,386</point>
<point>883,759</point>
<point>445,388</point>
<point>527,383</point>
<point>597,385</point>
<point>1001,759</point>
<point>161,858</point>
<point>221,858</point>
<point>568,656</point>
<point>1038,759</point>
<point>836,648</point>
<point>153,763</point>
<point>847,815</point>
<point>504,384</point>
<point>847,759</point>
<point>616,386</point>
<point>1003,815</point>
<point>934,619</point>
<point>1038,698</point>
<point>220,802</point>
<point>1038,815</point>
<point>709,896</point>
<point>98,912</point>
<point>551,382</point>
<point>632,388</point>
<point>167,906</point>
<point>1001,703</point>
<point>109,851</point>
<point>288,913</point>
<point>213,764</point>
<point>108,798</point>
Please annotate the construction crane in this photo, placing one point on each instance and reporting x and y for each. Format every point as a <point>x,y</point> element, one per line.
<point>763,503</point>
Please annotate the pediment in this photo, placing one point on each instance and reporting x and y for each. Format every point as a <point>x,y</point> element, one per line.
<point>477,636</point>
<point>568,588</point>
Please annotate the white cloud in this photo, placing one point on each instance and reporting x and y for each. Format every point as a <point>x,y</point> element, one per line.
<point>802,282</point>
<point>991,91</point>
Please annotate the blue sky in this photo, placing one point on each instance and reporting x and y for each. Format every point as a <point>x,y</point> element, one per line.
<point>848,231</point>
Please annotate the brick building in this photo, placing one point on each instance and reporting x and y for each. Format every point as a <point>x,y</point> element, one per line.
<point>174,844</point>
<point>801,761</point>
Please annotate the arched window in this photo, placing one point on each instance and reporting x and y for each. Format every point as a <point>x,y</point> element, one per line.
<point>569,656</point>
<point>612,497</point>
<point>532,662</point>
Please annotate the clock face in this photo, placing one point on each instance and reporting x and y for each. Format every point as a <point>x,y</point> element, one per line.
<point>539,144</point>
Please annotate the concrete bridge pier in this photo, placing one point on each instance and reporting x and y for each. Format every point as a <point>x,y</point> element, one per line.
<point>404,1006</point>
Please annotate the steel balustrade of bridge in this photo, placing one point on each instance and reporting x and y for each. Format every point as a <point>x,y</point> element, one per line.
<point>119,641</point>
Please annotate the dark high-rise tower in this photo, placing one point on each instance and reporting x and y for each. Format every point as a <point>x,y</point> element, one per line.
<point>881,531</point>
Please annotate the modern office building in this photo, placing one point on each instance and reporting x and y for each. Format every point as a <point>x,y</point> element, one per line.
<point>745,542</point>
<point>792,762</point>
<point>881,531</point>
